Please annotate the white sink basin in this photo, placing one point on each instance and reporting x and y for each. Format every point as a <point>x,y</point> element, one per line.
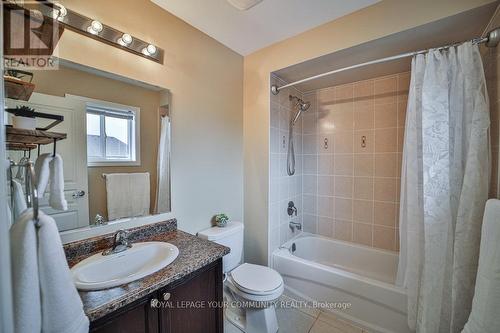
<point>101,272</point>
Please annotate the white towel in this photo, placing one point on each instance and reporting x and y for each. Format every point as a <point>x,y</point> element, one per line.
<point>62,308</point>
<point>19,199</point>
<point>25,282</point>
<point>48,167</point>
<point>45,297</point>
<point>42,173</point>
<point>486,302</point>
<point>127,194</point>
<point>56,199</point>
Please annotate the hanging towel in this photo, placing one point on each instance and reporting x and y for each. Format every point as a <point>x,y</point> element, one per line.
<point>42,172</point>
<point>486,302</point>
<point>62,308</point>
<point>25,282</point>
<point>127,194</point>
<point>56,199</point>
<point>19,199</point>
<point>48,167</point>
<point>45,297</point>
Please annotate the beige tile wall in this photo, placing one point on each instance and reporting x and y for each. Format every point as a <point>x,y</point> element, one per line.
<point>283,188</point>
<point>352,147</point>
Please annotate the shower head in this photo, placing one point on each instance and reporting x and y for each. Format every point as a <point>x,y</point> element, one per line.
<point>301,105</point>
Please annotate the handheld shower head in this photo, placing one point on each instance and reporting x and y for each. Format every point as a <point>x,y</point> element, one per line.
<point>290,158</point>
<point>301,105</point>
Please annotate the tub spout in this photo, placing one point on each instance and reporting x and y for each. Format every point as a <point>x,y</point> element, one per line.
<point>295,226</point>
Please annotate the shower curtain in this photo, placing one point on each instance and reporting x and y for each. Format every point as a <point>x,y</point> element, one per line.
<point>444,186</point>
<point>163,168</point>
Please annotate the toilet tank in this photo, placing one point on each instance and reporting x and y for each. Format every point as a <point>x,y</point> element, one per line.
<point>231,236</point>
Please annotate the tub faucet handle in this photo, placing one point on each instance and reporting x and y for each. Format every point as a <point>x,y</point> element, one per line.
<point>291,209</point>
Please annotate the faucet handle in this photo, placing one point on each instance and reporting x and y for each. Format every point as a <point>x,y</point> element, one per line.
<point>99,220</point>
<point>120,243</point>
<point>121,237</point>
<point>291,209</point>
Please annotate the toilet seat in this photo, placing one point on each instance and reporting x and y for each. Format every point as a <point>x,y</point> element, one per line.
<point>256,280</point>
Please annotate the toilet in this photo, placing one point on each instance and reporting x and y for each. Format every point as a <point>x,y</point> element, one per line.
<point>254,287</point>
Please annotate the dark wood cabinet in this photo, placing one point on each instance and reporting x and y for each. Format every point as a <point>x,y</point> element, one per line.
<point>193,304</point>
<point>136,317</point>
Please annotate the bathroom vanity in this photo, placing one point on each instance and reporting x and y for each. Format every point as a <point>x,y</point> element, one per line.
<point>185,296</point>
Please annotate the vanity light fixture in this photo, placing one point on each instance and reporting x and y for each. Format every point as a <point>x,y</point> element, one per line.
<point>90,27</point>
<point>125,40</point>
<point>95,27</point>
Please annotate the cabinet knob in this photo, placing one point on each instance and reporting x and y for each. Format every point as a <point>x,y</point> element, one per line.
<point>166,296</point>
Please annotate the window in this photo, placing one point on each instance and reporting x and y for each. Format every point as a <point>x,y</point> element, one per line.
<point>112,135</point>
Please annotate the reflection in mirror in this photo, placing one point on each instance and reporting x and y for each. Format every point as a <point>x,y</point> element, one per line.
<point>115,153</point>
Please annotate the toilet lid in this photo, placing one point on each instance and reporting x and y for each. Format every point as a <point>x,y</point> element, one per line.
<point>256,278</point>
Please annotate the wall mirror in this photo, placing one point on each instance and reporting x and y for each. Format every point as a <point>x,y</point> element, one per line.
<point>114,143</point>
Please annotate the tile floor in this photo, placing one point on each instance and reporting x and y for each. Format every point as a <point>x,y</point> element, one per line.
<point>299,320</point>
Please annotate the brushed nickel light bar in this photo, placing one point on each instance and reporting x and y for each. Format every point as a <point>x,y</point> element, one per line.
<point>491,40</point>
<point>109,35</point>
<point>94,29</point>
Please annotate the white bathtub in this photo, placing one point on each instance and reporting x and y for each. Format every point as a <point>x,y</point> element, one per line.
<point>326,270</point>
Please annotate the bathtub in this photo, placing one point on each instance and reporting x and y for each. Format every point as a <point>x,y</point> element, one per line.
<point>327,270</point>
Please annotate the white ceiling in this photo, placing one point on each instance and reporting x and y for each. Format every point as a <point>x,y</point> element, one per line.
<point>266,23</point>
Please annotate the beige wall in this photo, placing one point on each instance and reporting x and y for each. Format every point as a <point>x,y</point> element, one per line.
<point>75,82</point>
<point>491,63</point>
<point>205,80</point>
<point>384,18</point>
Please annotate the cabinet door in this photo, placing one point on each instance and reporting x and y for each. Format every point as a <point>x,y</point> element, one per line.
<point>138,317</point>
<point>189,309</point>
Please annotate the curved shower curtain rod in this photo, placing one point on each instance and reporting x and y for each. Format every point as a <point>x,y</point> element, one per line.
<point>491,40</point>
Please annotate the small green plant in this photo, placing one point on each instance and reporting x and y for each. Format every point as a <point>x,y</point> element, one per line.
<point>221,220</point>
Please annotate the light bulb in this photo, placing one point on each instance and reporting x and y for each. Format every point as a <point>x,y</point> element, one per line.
<point>150,50</point>
<point>125,40</point>
<point>95,27</point>
<point>61,11</point>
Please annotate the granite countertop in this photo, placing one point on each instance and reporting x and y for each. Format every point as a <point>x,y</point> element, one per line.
<point>194,253</point>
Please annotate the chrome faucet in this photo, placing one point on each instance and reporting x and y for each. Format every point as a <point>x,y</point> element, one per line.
<point>120,243</point>
<point>295,226</point>
<point>99,220</point>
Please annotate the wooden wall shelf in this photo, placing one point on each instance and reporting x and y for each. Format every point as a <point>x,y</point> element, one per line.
<point>24,139</point>
<point>18,89</point>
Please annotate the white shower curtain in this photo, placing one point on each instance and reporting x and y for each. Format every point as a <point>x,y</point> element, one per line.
<point>163,168</point>
<point>444,186</point>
